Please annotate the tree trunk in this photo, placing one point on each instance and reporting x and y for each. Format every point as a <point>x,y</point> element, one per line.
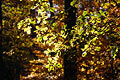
<point>70,67</point>
<point>3,71</point>
<point>51,5</point>
<point>1,61</point>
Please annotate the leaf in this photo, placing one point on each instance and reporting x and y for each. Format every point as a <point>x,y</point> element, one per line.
<point>95,38</point>
<point>50,68</point>
<point>50,59</point>
<point>93,21</point>
<point>28,29</point>
<point>73,2</point>
<point>39,39</point>
<point>118,33</point>
<point>59,65</point>
<point>47,66</point>
<point>84,54</point>
<point>45,28</point>
<point>86,46</point>
<point>113,3</point>
<point>61,12</point>
<point>45,38</point>
<point>54,24</point>
<point>20,24</point>
<point>116,49</point>
<point>18,36</point>
<point>84,13</point>
<point>45,0</point>
<point>97,48</point>
<point>80,18</point>
<point>37,27</point>
<point>52,9</point>
<point>44,21</point>
<point>92,52</point>
<point>114,55</point>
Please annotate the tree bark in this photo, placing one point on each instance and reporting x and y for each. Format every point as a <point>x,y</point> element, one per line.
<point>51,5</point>
<point>70,67</point>
<point>1,61</point>
<point>2,66</point>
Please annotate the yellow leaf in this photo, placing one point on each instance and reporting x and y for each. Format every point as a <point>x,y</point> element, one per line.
<point>92,52</point>
<point>82,69</point>
<point>84,54</point>
<point>45,38</point>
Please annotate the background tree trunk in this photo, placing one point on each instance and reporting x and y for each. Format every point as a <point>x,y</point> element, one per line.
<point>51,5</point>
<point>1,61</point>
<point>70,67</point>
<point>3,72</point>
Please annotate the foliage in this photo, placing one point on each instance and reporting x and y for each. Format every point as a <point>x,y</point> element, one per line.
<point>94,40</point>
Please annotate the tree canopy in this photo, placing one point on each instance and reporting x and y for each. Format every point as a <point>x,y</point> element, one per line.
<point>42,39</point>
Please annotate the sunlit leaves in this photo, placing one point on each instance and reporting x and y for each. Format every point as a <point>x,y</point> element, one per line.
<point>28,29</point>
<point>54,24</point>
<point>84,54</point>
<point>39,39</point>
<point>63,34</point>
<point>45,38</point>
<point>44,29</point>
<point>97,48</point>
<point>20,24</point>
<point>90,36</point>
<point>37,27</point>
<point>9,53</point>
<point>73,2</point>
<point>85,13</point>
<point>114,51</point>
<point>52,9</point>
<point>85,47</point>
<point>53,64</point>
<point>113,3</point>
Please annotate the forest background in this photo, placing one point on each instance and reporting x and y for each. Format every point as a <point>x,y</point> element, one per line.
<point>60,39</point>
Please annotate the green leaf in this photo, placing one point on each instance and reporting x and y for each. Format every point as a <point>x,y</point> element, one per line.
<point>61,12</point>
<point>85,13</point>
<point>84,54</point>
<point>116,49</point>
<point>47,66</point>
<point>97,48</point>
<point>59,65</point>
<point>86,46</point>
<point>100,11</point>
<point>18,36</point>
<point>54,24</point>
<point>28,29</point>
<point>45,38</point>
<point>37,27</point>
<point>50,59</point>
<point>73,2</point>
<point>93,21</point>
<point>114,55</point>
<point>39,39</point>
<point>94,39</point>
<point>52,9</point>
<point>50,68</point>
<point>118,33</point>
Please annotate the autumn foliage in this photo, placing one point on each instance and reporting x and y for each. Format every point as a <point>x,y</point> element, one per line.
<point>35,39</point>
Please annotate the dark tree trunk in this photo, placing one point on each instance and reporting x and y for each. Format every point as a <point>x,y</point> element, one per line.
<point>70,67</point>
<point>0,13</point>
<point>71,14</point>
<point>2,67</point>
<point>51,5</point>
<point>1,61</point>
